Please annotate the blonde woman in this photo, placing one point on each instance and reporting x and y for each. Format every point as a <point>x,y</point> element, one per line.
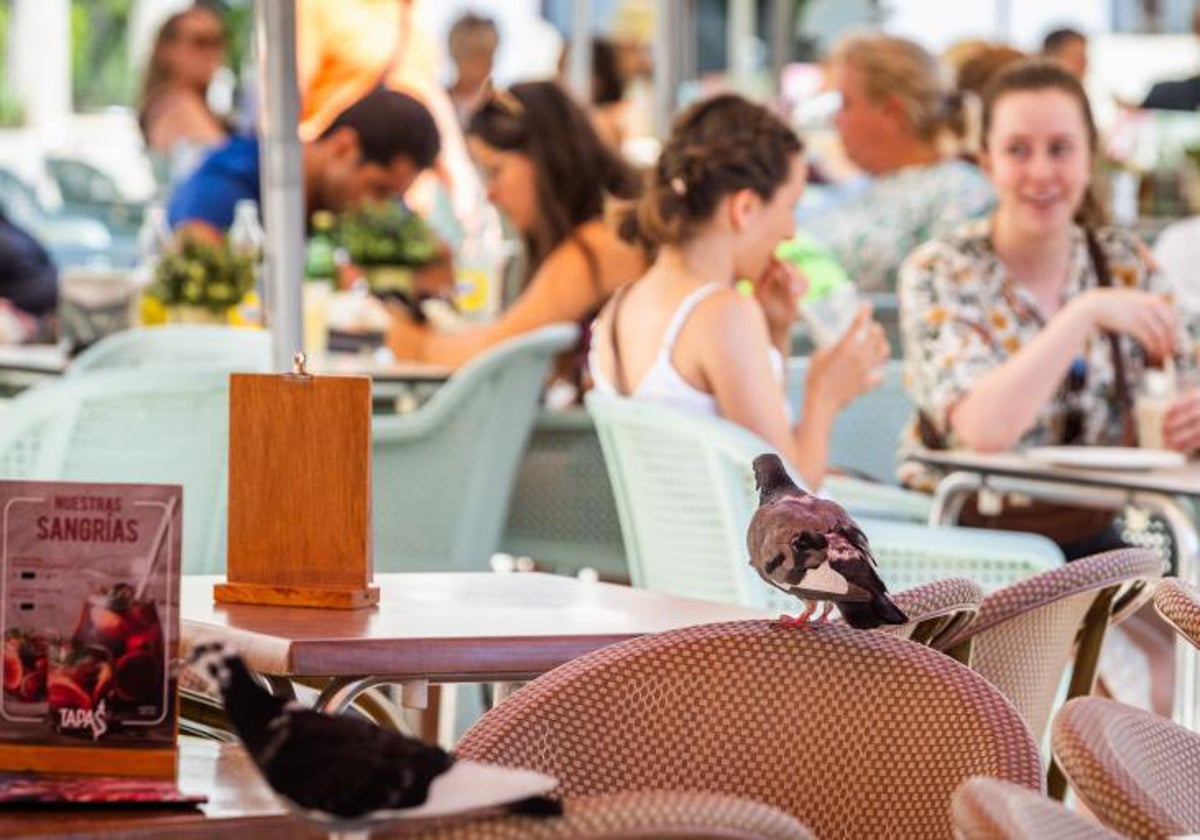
<point>895,112</point>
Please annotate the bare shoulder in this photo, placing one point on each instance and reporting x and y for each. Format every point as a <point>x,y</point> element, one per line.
<point>620,262</point>
<point>730,314</point>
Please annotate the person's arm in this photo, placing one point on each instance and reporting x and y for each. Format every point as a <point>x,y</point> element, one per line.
<point>560,291</point>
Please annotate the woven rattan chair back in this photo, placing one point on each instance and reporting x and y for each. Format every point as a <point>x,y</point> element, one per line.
<point>650,815</point>
<point>1025,633</point>
<point>856,734</point>
<point>990,809</point>
<point>1136,771</point>
<point>1179,604</point>
<point>938,612</point>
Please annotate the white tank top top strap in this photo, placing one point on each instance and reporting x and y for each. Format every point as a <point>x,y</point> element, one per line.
<point>662,382</point>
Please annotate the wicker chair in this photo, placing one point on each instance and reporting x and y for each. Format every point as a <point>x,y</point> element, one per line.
<point>989,809</point>
<point>937,612</point>
<point>633,816</point>
<point>1025,633</point>
<point>856,734</point>
<point>1135,770</point>
<point>1179,604</point>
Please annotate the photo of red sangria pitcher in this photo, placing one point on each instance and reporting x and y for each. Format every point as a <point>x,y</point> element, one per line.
<point>128,629</point>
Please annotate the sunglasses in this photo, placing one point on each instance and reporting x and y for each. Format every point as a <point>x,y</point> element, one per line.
<point>1073,386</point>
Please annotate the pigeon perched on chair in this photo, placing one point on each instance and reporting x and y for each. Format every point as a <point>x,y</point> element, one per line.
<point>811,548</point>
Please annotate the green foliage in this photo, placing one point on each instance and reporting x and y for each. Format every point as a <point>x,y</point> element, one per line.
<point>100,74</point>
<point>1192,153</point>
<point>202,274</point>
<point>385,234</point>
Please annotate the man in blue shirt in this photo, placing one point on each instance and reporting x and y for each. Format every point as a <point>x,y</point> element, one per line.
<point>373,151</point>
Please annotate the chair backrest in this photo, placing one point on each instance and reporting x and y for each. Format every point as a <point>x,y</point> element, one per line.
<point>442,475</point>
<point>1025,633</point>
<point>1136,771</point>
<point>856,734</point>
<point>562,512</point>
<point>146,426</point>
<point>938,612</point>
<point>685,495</point>
<point>991,809</point>
<point>178,346</point>
<point>1179,603</point>
<point>643,815</point>
<point>866,434</point>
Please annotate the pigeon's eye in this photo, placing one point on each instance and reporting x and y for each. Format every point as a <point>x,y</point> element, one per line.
<point>214,670</point>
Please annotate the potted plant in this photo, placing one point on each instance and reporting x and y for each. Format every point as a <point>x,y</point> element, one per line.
<point>387,242</point>
<point>200,282</point>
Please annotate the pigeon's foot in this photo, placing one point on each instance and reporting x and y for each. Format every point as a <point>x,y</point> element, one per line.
<point>794,621</point>
<point>826,609</point>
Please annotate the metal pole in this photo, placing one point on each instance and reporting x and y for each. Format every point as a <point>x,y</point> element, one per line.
<point>667,42</point>
<point>781,29</point>
<point>282,176</point>
<point>739,41</point>
<point>579,69</point>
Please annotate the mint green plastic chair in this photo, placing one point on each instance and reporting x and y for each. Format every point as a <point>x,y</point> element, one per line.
<point>144,426</point>
<point>867,432</point>
<point>685,495</point>
<point>562,512</point>
<point>178,346</point>
<point>442,475</point>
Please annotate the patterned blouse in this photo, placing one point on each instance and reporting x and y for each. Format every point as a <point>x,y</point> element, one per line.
<point>871,233</point>
<point>961,315</point>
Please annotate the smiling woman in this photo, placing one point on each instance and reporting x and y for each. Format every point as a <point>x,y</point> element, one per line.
<point>1034,327</point>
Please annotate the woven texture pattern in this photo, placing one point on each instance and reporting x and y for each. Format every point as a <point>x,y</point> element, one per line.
<point>989,809</point>
<point>1025,633</point>
<point>632,816</point>
<point>1179,603</point>
<point>856,734</point>
<point>1136,771</point>
<point>937,611</point>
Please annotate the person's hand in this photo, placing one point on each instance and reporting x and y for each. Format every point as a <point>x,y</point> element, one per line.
<point>777,289</point>
<point>1181,424</point>
<point>405,338</point>
<point>851,367</point>
<point>1142,315</point>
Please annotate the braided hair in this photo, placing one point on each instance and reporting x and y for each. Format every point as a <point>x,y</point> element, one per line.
<point>717,147</point>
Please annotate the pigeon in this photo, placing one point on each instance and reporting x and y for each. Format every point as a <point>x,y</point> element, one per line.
<point>342,766</point>
<point>811,548</point>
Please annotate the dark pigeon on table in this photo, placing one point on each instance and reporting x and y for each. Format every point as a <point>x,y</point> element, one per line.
<point>335,767</point>
<point>812,549</point>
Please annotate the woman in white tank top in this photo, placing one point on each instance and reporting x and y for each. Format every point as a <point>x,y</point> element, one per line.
<point>720,200</point>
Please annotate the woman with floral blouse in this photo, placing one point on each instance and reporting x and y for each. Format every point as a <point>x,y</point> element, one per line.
<point>1008,322</point>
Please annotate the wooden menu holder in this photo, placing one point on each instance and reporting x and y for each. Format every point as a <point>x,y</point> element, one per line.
<point>299,491</point>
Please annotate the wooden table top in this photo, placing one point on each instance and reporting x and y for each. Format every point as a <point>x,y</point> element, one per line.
<point>1175,481</point>
<point>240,804</point>
<point>445,627</point>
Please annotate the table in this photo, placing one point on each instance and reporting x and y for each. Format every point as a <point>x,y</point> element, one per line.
<point>240,804</point>
<point>1158,491</point>
<point>25,365</point>
<point>439,628</point>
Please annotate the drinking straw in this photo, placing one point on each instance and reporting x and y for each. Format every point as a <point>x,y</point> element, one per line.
<point>155,545</point>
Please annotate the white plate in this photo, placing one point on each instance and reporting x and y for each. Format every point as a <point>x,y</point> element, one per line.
<point>1106,457</point>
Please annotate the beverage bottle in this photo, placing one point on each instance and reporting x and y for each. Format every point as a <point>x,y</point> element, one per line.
<point>246,238</point>
<point>478,267</point>
<point>154,239</point>
<point>320,278</point>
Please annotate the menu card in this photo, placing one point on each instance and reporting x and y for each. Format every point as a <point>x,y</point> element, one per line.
<point>89,611</point>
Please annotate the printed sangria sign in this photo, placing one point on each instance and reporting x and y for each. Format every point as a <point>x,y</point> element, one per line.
<point>89,609</point>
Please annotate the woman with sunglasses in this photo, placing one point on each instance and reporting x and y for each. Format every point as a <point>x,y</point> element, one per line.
<point>720,200</point>
<point>174,116</point>
<point>549,173</point>
<point>1034,326</point>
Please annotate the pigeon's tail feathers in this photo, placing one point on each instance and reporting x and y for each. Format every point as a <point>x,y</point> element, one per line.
<point>537,806</point>
<point>772,479</point>
<point>867,615</point>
